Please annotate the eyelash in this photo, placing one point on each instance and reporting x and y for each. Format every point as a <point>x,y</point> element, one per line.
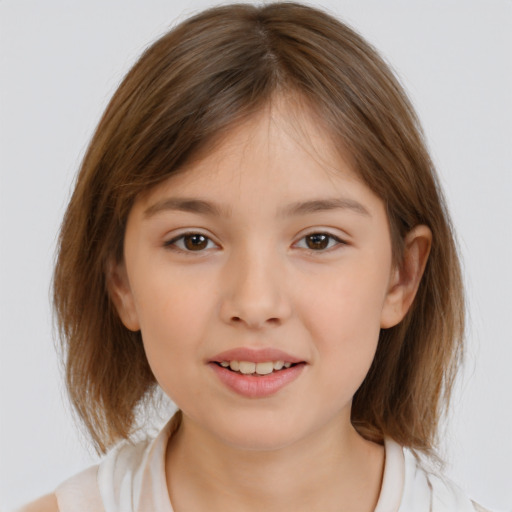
<point>174,243</point>
<point>330,238</point>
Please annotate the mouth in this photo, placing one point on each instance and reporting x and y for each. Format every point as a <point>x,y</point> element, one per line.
<point>257,373</point>
<point>256,369</point>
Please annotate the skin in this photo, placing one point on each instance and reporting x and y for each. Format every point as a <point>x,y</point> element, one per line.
<point>256,283</point>
<point>47,503</point>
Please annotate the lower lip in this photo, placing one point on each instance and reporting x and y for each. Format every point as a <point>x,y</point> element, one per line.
<point>257,386</point>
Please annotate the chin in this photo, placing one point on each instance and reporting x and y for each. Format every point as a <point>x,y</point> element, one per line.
<point>258,431</point>
<point>261,439</point>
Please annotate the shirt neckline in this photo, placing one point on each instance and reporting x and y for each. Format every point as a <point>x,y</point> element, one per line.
<point>393,478</point>
<point>155,496</point>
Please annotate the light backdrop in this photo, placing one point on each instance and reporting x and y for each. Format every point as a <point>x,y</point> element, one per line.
<point>60,61</point>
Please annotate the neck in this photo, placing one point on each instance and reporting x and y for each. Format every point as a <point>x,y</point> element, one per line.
<point>334,469</point>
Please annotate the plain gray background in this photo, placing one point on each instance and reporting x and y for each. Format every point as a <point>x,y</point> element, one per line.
<point>60,61</point>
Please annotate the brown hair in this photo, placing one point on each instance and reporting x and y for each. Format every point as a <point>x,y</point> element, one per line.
<point>195,82</point>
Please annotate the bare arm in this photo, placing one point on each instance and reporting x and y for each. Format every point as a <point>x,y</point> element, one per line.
<point>46,503</point>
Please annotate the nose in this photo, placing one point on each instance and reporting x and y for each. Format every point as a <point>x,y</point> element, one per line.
<point>254,291</point>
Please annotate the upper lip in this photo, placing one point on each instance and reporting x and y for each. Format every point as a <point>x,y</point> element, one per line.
<point>253,355</point>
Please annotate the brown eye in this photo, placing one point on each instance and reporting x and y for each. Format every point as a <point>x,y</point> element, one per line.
<point>193,242</point>
<point>318,241</point>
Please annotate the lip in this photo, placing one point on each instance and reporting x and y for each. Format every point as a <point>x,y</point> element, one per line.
<point>255,356</point>
<point>261,386</point>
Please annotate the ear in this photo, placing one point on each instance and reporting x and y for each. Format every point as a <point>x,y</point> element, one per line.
<point>121,294</point>
<point>405,279</point>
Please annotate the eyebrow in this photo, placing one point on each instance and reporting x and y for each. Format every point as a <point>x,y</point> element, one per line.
<point>184,205</point>
<point>203,207</point>
<point>320,205</point>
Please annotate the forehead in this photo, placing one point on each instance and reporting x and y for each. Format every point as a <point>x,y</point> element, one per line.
<point>282,150</point>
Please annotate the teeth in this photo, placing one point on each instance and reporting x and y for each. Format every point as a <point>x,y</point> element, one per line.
<point>264,368</point>
<point>248,367</point>
<point>278,365</point>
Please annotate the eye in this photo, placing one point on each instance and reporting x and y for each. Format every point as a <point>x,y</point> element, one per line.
<point>191,242</point>
<point>318,241</point>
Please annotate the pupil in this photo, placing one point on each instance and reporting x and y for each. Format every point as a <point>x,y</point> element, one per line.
<point>195,242</point>
<point>317,241</point>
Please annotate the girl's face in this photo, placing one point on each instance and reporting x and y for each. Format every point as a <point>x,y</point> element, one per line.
<point>269,250</point>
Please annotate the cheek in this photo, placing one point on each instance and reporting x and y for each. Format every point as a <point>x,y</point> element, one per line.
<point>349,302</point>
<point>345,324</point>
<point>173,319</point>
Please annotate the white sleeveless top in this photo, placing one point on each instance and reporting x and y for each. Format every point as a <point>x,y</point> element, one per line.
<point>132,479</point>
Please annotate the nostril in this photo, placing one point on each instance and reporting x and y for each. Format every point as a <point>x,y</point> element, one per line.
<point>271,321</point>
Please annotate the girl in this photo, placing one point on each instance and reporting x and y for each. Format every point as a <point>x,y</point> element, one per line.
<point>257,230</point>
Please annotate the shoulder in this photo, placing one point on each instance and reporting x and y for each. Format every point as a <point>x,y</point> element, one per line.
<point>46,503</point>
<point>116,483</point>
<point>479,508</point>
<point>433,488</point>
<point>80,493</point>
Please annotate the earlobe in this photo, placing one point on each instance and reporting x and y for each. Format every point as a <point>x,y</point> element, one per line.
<point>121,295</point>
<point>406,279</point>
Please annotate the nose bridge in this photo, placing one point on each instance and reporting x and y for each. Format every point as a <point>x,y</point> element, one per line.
<point>255,292</point>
